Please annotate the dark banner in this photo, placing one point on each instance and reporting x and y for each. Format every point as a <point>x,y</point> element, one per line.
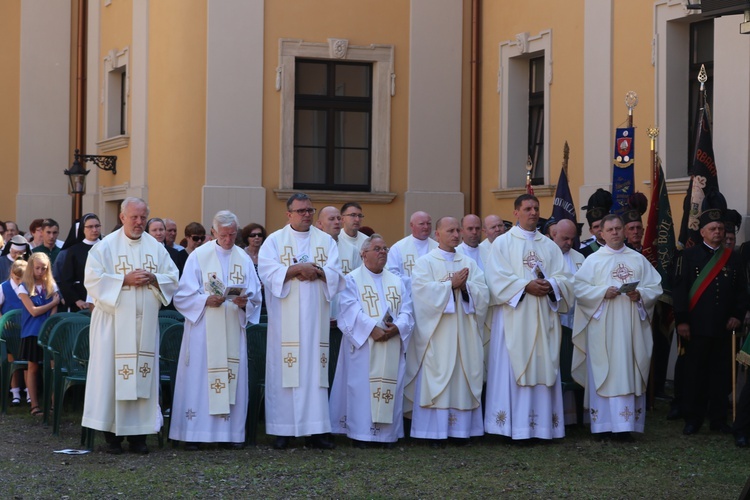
<point>659,241</point>
<point>623,176</point>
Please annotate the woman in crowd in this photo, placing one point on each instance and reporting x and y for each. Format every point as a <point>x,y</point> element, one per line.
<point>77,251</point>
<point>253,236</point>
<point>158,229</point>
<point>36,232</point>
<point>9,301</point>
<point>195,235</point>
<point>40,297</point>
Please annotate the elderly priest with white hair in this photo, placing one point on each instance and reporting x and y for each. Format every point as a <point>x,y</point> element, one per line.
<point>130,276</point>
<point>219,294</point>
<point>376,318</point>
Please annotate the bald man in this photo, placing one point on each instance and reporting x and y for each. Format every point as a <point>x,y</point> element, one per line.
<point>329,221</point>
<point>564,234</point>
<point>492,226</point>
<point>404,254</point>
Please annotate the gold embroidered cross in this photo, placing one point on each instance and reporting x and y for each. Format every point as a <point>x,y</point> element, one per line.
<point>323,359</point>
<point>376,394</point>
<point>218,385</point>
<point>532,419</point>
<point>388,396</point>
<point>500,418</point>
<point>231,375</point>
<point>320,256</point>
<point>236,276</point>
<point>345,267</point>
<point>393,298</point>
<point>290,360</point>
<point>626,414</point>
<point>123,265</point>
<point>190,414</point>
<point>288,256</point>
<point>371,299</point>
<point>452,419</point>
<point>409,264</point>
<point>150,265</point>
<point>126,372</point>
<point>145,370</point>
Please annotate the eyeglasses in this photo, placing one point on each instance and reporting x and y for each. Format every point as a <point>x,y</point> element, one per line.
<point>354,216</point>
<point>378,249</point>
<point>255,235</point>
<point>198,238</point>
<point>97,226</point>
<point>303,211</point>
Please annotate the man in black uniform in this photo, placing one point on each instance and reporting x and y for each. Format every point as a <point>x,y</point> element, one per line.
<point>710,300</point>
<point>598,206</point>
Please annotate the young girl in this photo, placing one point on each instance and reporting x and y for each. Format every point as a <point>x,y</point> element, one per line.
<point>40,297</point>
<point>9,301</point>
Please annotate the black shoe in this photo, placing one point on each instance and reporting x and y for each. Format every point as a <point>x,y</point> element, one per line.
<point>690,429</point>
<point>438,443</point>
<point>723,428</point>
<point>741,441</point>
<point>232,446</point>
<point>361,445</point>
<point>281,443</point>
<point>190,446</point>
<point>114,449</point>
<point>138,447</point>
<point>674,413</point>
<point>320,442</point>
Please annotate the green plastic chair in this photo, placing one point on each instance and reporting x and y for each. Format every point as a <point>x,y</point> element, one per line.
<point>169,356</point>
<point>43,341</point>
<point>566,378</point>
<point>10,343</point>
<point>172,314</point>
<point>257,336</point>
<point>66,372</point>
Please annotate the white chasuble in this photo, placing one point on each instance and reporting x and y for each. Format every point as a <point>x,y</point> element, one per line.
<point>614,334</point>
<point>125,333</point>
<point>404,254</point>
<point>446,347</point>
<point>223,346</point>
<point>531,324</point>
<point>384,356</point>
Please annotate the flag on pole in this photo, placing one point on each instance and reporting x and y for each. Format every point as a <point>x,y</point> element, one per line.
<point>704,181</point>
<point>623,176</point>
<point>659,241</point>
<point>562,206</point>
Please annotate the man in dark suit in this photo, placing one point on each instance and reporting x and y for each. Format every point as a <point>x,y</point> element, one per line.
<point>710,300</point>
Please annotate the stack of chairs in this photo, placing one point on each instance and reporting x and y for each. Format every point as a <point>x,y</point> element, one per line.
<point>10,343</point>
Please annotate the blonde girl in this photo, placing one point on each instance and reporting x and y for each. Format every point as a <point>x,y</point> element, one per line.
<point>40,297</point>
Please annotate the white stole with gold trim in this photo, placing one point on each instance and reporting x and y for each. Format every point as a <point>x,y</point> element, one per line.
<point>290,320</point>
<point>223,330</point>
<point>384,356</point>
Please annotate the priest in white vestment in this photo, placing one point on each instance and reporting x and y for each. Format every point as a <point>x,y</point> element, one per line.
<point>528,281</point>
<point>612,332</point>
<point>299,267</point>
<point>352,217</point>
<point>404,254</point>
<point>376,318</point>
<point>492,226</point>
<point>329,221</point>
<point>564,234</point>
<point>129,276</point>
<point>219,294</point>
<point>444,359</point>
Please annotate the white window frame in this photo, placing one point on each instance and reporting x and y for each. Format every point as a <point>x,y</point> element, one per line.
<point>115,63</point>
<point>383,88</point>
<point>513,87</point>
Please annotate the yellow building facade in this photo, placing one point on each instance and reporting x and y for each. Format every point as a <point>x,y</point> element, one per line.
<point>234,104</point>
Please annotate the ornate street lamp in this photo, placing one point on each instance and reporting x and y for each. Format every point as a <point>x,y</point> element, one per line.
<point>77,177</point>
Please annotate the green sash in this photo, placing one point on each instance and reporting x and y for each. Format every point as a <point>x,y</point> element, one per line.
<point>707,274</point>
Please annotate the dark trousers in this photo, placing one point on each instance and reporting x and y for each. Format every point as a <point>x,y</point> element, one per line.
<point>707,379</point>
<point>742,422</point>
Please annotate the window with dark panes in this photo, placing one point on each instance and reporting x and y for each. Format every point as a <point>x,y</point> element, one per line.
<point>701,53</point>
<point>332,125</point>
<point>536,119</point>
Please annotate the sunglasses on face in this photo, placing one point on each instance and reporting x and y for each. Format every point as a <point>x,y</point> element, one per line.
<point>256,235</point>
<point>198,238</point>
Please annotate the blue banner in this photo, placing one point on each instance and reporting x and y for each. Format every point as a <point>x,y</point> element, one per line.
<point>562,206</point>
<point>623,176</point>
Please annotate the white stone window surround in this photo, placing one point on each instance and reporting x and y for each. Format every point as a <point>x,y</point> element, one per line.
<point>383,88</point>
<point>115,63</point>
<point>513,87</point>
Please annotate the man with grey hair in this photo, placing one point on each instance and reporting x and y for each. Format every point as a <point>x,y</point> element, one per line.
<point>171,235</point>
<point>219,294</point>
<point>329,221</point>
<point>404,254</point>
<point>130,276</point>
<point>300,270</point>
<point>493,226</point>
